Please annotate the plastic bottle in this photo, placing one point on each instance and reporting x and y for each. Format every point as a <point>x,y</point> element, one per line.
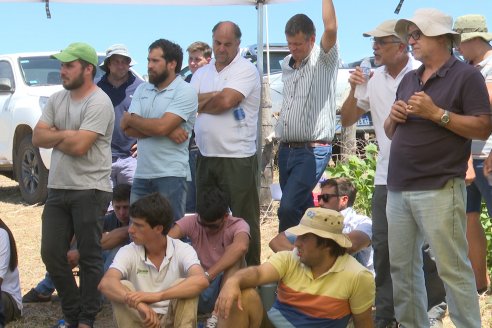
<point>61,324</point>
<point>240,116</point>
<point>361,89</point>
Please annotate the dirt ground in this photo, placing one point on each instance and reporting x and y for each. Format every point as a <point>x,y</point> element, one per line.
<point>25,223</point>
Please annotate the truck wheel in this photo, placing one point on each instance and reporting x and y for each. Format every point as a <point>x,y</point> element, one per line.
<point>31,172</point>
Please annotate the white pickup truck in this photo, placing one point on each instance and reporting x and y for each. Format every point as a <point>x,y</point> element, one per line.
<point>27,80</point>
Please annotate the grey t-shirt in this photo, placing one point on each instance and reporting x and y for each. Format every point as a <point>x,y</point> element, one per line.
<point>93,113</point>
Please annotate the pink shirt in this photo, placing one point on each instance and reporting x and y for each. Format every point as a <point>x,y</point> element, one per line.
<point>211,245</point>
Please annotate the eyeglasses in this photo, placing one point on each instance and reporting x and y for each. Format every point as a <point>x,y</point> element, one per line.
<point>326,197</point>
<point>414,35</point>
<point>381,42</point>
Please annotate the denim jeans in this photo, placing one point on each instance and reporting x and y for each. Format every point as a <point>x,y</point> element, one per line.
<point>68,213</point>
<point>479,189</point>
<point>173,188</point>
<point>436,295</point>
<point>300,170</point>
<point>191,192</point>
<point>437,216</point>
<point>45,286</point>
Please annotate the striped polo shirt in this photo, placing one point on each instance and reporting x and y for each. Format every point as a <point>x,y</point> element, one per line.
<point>308,109</point>
<point>325,302</point>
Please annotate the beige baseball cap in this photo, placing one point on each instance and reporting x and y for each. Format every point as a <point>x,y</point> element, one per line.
<point>386,28</point>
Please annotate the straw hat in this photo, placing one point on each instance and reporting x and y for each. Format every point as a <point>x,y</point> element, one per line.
<point>472,26</point>
<point>324,223</point>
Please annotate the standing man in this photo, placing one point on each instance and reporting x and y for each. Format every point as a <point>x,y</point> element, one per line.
<point>120,84</point>
<point>161,116</point>
<point>226,128</point>
<point>476,49</point>
<point>438,108</point>
<point>392,53</point>
<point>199,54</point>
<point>77,123</point>
<point>307,118</point>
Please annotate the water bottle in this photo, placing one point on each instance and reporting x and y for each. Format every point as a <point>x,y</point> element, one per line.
<point>61,324</point>
<point>365,66</point>
<point>361,89</point>
<point>240,116</point>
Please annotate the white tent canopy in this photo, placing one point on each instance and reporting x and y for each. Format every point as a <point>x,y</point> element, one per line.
<point>163,2</point>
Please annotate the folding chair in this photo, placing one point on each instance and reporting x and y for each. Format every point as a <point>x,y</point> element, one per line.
<point>276,194</point>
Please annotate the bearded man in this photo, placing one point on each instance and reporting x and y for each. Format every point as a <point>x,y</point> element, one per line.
<point>161,116</point>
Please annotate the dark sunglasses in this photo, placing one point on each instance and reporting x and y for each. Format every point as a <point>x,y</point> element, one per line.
<point>414,35</point>
<point>326,197</point>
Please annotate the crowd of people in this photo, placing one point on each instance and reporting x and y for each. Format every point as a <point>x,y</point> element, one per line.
<point>153,189</point>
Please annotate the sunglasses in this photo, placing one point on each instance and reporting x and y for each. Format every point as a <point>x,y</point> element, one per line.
<point>326,197</point>
<point>414,35</point>
<point>381,42</point>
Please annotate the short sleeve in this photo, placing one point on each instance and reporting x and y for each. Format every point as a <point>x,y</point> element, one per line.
<point>123,261</point>
<point>135,106</point>
<point>364,288</point>
<point>246,79</point>
<point>186,224</point>
<point>281,261</point>
<point>185,103</point>
<point>4,253</point>
<point>99,114</point>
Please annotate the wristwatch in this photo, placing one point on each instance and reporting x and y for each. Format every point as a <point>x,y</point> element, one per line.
<point>444,119</point>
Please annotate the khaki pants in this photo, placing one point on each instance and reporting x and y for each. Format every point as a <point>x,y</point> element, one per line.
<point>182,313</point>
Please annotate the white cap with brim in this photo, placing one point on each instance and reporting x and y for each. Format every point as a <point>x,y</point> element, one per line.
<point>431,22</point>
<point>116,49</point>
<point>324,223</point>
<point>386,28</point>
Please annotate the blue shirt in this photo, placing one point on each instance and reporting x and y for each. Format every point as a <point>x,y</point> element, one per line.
<point>121,97</point>
<point>159,156</point>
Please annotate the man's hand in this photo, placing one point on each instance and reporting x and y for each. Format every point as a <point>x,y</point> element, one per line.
<point>470,172</point>
<point>73,257</point>
<point>134,298</point>
<point>398,113</point>
<point>420,104</point>
<point>124,122</point>
<point>357,78</point>
<point>133,150</point>
<point>229,294</point>
<point>149,317</point>
<point>178,135</point>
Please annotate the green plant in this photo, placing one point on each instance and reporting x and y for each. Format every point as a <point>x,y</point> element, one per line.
<point>487,227</point>
<point>361,171</point>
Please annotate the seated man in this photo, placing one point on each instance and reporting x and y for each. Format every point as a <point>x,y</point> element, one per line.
<point>319,285</point>
<point>154,281</point>
<point>220,240</point>
<point>339,194</point>
<point>115,235</point>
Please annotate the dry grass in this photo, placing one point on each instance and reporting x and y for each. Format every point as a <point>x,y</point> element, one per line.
<point>25,223</point>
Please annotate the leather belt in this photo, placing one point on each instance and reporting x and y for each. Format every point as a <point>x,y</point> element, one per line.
<point>311,144</point>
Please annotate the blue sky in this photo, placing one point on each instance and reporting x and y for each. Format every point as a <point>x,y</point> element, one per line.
<point>24,26</point>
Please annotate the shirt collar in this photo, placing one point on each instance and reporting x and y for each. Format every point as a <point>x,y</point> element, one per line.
<point>442,71</point>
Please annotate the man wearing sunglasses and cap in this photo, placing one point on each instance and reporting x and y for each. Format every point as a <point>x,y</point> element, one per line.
<point>319,284</point>
<point>120,83</point>
<point>339,194</point>
<point>438,109</point>
<point>77,123</point>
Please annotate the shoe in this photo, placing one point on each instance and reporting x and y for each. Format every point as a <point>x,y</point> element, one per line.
<point>34,297</point>
<point>212,321</point>
<point>385,323</point>
<point>436,323</point>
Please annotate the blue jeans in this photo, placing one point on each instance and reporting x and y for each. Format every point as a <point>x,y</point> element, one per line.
<point>206,301</point>
<point>68,213</point>
<point>300,170</point>
<point>191,192</point>
<point>438,217</point>
<point>173,188</point>
<point>479,189</point>
<point>45,286</point>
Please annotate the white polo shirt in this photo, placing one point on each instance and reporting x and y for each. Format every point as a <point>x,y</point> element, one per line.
<point>220,135</point>
<point>134,266</point>
<point>380,96</point>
